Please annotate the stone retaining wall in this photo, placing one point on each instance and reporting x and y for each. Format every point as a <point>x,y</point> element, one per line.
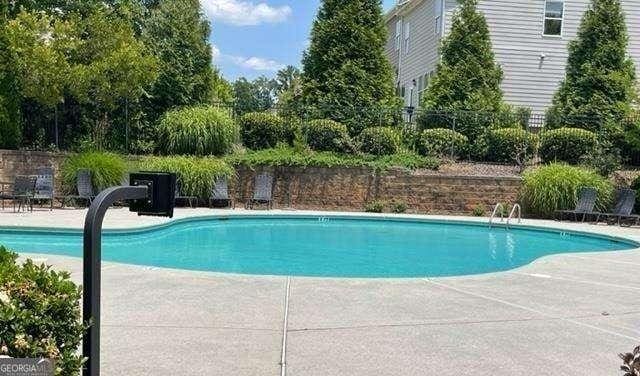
<point>349,189</point>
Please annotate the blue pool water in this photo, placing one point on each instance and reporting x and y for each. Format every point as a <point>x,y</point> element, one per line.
<point>327,247</point>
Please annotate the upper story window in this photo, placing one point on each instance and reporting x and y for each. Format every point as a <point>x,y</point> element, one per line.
<point>553,17</point>
<point>398,34</point>
<point>407,32</point>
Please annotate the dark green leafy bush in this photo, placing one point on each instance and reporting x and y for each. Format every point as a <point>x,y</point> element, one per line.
<point>195,174</point>
<point>380,141</point>
<point>263,130</point>
<point>327,135</point>
<point>556,187</point>
<point>442,142</point>
<point>511,145</point>
<point>39,314</point>
<point>107,169</point>
<point>197,131</point>
<point>568,145</point>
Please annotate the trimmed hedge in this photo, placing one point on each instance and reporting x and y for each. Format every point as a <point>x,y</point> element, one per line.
<point>442,142</point>
<point>327,135</point>
<point>556,187</point>
<point>197,131</point>
<point>263,130</point>
<point>380,141</point>
<point>568,145</point>
<point>511,145</point>
<point>39,314</point>
<point>107,169</point>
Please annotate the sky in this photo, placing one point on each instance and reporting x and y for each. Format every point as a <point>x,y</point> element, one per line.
<point>257,37</point>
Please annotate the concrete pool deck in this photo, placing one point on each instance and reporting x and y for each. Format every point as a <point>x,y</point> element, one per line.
<point>561,315</point>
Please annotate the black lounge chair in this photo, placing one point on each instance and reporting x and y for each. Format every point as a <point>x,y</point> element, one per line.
<point>181,196</point>
<point>584,208</point>
<point>84,187</point>
<point>44,186</point>
<point>262,191</point>
<point>625,202</point>
<point>220,193</point>
<point>22,192</point>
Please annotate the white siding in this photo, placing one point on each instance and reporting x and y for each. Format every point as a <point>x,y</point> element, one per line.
<point>516,33</point>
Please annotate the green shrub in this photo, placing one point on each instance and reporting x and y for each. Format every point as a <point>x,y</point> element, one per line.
<point>327,135</point>
<point>197,131</point>
<point>374,207</point>
<point>442,142</point>
<point>398,206</point>
<point>511,145</point>
<point>263,130</point>
<point>380,141</point>
<point>556,187</point>
<point>107,169</point>
<point>479,210</point>
<point>568,145</point>
<point>196,174</point>
<point>286,156</point>
<point>39,314</point>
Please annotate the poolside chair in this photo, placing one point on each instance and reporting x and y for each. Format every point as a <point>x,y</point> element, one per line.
<point>585,206</point>
<point>625,202</point>
<point>84,187</point>
<point>44,186</point>
<point>220,193</point>
<point>180,196</point>
<point>22,192</point>
<point>262,191</point>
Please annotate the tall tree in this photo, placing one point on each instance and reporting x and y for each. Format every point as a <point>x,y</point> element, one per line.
<point>599,87</point>
<point>179,35</point>
<point>467,77</point>
<point>346,76</point>
<point>287,78</point>
<point>10,116</point>
<point>221,89</point>
<point>254,96</point>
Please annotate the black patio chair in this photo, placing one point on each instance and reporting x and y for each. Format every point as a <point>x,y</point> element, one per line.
<point>586,204</point>
<point>262,191</point>
<point>44,186</point>
<point>84,187</point>
<point>22,192</point>
<point>183,197</point>
<point>625,202</point>
<point>220,193</point>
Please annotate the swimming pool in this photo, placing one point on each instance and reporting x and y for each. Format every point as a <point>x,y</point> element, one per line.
<point>320,246</point>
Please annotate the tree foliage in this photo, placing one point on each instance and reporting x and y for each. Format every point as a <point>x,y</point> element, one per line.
<point>599,87</point>
<point>178,34</point>
<point>346,75</point>
<point>468,78</point>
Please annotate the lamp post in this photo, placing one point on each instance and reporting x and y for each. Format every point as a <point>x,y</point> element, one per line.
<point>411,108</point>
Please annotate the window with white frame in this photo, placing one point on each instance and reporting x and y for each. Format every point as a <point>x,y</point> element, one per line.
<point>407,37</point>
<point>553,17</point>
<point>423,82</point>
<point>398,34</point>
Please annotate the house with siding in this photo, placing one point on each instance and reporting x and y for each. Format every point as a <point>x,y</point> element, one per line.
<point>530,40</point>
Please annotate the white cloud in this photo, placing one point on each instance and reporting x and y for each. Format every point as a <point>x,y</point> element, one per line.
<point>215,52</point>
<point>257,63</point>
<point>243,13</point>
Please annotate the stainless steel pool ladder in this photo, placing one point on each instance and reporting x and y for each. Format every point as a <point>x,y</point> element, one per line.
<point>500,207</point>
<point>516,209</point>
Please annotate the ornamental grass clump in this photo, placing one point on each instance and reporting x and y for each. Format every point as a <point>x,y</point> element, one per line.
<point>107,169</point>
<point>557,187</point>
<point>196,175</point>
<point>39,314</point>
<point>202,130</point>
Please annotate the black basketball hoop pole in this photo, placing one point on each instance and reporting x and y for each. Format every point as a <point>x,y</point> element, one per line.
<point>91,267</point>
